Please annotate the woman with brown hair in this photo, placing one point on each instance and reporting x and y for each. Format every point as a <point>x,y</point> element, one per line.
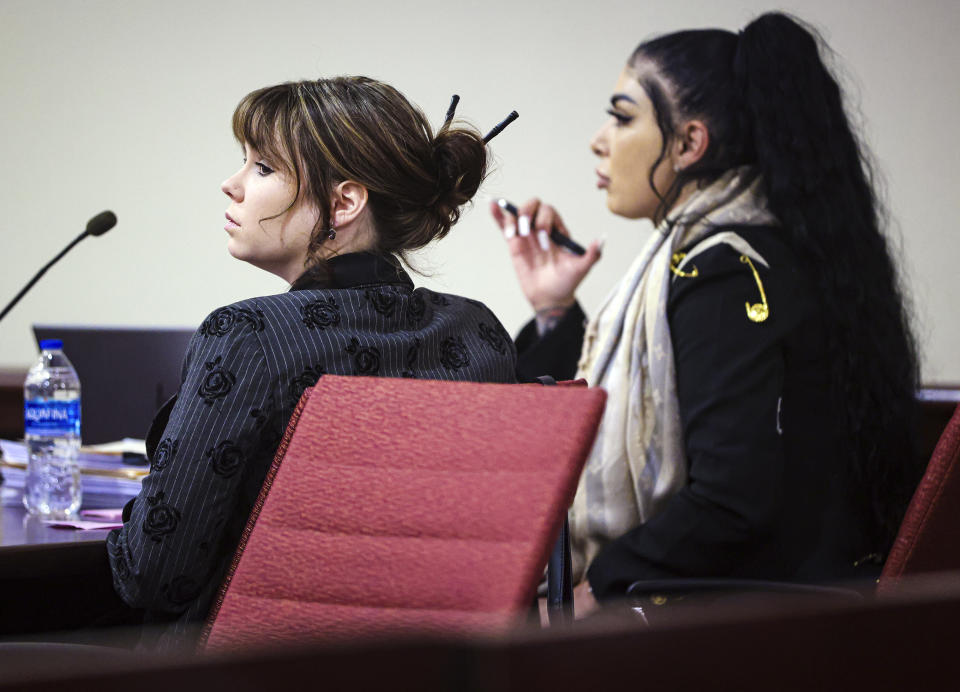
<point>340,178</point>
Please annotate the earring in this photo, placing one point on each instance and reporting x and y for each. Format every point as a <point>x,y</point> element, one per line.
<point>332,233</point>
<point>676,168</point>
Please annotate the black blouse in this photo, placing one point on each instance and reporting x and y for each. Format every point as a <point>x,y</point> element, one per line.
<point>765,497</point>
<point>244,371</point>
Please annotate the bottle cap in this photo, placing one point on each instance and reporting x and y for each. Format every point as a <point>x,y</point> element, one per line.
<point>51,345</point>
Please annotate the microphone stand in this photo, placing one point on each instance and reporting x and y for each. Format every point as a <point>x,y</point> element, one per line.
<point>98,225</point>
<point>36,278</point>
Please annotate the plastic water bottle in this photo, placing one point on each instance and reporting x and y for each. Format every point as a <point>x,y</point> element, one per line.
<point>51,411</point>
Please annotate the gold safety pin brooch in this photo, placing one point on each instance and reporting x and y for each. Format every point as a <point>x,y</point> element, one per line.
<point>675,263</point>
<point>756,312</point>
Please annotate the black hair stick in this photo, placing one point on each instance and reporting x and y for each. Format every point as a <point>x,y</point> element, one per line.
<point>451,110</point>
<point>500,127</point>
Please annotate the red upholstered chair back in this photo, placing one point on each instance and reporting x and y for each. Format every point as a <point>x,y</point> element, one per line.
<point>929,537</point>
<point>405,505</point>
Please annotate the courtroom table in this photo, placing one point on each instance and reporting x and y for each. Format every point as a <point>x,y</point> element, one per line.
<point>937,403</point>
<point>51,579</point>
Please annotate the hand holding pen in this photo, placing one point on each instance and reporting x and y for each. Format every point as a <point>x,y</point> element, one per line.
<point>560,238</point>
<point>549,272</point>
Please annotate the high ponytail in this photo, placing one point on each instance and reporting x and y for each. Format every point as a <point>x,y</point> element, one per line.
<point>819,184</point>
<point>793,109</point>
<point>769,101</point>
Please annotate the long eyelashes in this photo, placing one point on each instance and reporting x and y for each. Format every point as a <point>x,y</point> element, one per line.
<point>619,117</point>
<point>263,170</point>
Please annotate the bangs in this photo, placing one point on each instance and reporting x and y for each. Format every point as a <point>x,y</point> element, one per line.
<point>263,120</point>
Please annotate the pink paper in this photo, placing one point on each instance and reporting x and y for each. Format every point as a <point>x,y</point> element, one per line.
<point>104,514</point>
<point>82,525</point>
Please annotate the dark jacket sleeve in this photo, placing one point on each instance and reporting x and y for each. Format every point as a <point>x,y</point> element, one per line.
<point>556,353</point>
<point>730,373</point>
<point>171,541</point>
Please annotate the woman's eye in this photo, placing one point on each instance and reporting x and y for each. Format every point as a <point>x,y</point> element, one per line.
<point>263,169</point>
<point>619,117</point>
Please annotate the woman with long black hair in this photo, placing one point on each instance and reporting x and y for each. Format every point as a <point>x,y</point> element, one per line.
<point>758,358</point>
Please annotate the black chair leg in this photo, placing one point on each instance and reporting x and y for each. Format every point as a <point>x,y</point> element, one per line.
<point>559,580</point>
<point>559,574</point>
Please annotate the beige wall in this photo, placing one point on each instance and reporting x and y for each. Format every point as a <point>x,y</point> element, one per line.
<point>125,105</point>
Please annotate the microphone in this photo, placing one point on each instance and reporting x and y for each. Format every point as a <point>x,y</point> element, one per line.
<point>97,226</point>
<point>101,223</point>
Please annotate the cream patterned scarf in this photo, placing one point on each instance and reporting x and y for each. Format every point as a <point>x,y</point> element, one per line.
<point>638,460</point>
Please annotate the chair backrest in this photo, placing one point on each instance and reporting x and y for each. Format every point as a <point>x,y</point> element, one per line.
<point>397,505</point>
<point>929,537</point>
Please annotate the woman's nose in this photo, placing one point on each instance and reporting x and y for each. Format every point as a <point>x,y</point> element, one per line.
<point>598,145</point>
<point>231,187</point>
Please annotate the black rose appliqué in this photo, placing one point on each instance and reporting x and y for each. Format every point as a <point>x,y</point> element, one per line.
<point>321,313</point>
<point>161,518</point>
<point>165,451</point>
<point>382,299</point>
<point>120,564</point>
<point>217,383</point>
<point>305,379</point>
<point>453,353</point>
<point>268,426</point>
<point>225,459</point>
<point>366,359</point>
<point>438,299</point>
<point>412,352</point>
<point>492,337</point>
<point>261,416</point>
<point>181,590</point>
<point>224,320</point>
<point>416,308</point>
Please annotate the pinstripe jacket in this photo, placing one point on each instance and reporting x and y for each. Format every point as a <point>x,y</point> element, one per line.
<point>244,371</point>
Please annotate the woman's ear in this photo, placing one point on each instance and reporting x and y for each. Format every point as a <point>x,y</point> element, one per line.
<point>347,203</point>
<point>690,144</point>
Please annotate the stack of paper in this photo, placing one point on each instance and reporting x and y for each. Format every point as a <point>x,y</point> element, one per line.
<point>106,480</point>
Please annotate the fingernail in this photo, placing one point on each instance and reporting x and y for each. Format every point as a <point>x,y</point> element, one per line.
<point>603,241</point>
<point>544,239</point>
<point>524,223</point>
<point>509,231</point>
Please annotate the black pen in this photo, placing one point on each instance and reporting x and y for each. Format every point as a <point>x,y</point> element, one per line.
<point>555,235</point>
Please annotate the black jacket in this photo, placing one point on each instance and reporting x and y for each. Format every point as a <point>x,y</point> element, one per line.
<point>766,496</point>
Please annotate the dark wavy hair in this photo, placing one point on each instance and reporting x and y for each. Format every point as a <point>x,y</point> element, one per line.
<point>326,131</point>
<point>768,100</point>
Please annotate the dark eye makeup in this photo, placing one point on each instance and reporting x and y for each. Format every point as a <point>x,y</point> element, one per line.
<point>619,117</point>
